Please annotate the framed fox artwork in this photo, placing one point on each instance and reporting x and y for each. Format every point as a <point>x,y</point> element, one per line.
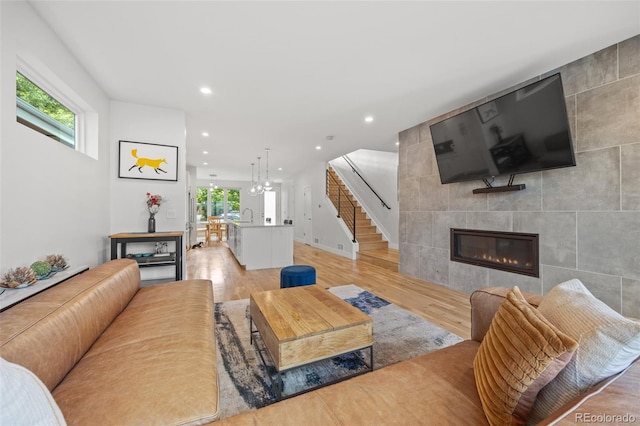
<point>141,160</point>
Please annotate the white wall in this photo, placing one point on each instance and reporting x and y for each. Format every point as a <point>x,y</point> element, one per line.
<point>328,232</point>
<point>140,123</point>
<point>54,199</point>
<point>380,170</point>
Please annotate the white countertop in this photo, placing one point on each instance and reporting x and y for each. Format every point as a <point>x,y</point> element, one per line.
<point>255,224</point>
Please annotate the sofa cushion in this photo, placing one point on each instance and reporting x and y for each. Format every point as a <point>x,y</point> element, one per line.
<point>155,364</point>
<point>24,399</point>
<point>520,353</point>
<point>608,343</point>
<point>431,389</point>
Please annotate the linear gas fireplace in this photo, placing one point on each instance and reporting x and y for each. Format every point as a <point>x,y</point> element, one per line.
<point>506,251</point>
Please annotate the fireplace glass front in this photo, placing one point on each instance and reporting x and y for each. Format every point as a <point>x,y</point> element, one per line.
<point>506,251</point>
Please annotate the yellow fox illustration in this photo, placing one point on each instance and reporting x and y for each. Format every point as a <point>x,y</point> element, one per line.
<point>141,162</point>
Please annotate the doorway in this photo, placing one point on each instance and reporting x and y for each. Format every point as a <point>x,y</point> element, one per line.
<point>308,236</point>
<point>270,211</point>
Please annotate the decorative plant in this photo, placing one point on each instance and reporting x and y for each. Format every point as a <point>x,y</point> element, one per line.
<point>153,202</point>
<point>41,268</point>
<point>18,276</point>
<point>57,261</point>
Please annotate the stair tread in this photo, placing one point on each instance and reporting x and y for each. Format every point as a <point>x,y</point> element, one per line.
<point>374,245</point>
<point>368,238</point>
<point>391,255</point>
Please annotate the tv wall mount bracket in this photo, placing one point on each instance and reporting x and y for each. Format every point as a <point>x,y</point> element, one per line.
<point>506,188</point>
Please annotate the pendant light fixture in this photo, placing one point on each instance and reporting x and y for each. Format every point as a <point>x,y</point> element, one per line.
<point>252,189</point>
<point>212,186</point>
<point>267,184</point>
<point>259,186</point>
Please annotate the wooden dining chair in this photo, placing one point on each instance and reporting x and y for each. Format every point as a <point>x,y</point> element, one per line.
<point>214,226</point>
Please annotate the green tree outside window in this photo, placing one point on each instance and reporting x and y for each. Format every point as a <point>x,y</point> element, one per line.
<point>38,98</point>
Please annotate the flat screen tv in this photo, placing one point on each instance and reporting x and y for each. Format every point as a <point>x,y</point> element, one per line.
<point>526,130</point>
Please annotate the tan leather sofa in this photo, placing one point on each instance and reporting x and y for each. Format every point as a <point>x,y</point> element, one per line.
<point>113,353</point>
<point>438,388</point>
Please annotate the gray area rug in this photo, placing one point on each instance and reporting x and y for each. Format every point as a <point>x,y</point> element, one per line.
<point>243,383</point>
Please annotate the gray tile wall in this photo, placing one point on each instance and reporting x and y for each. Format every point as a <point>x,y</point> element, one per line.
<point>588,216</point>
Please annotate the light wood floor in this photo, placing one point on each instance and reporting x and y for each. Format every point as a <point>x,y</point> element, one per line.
<point>448,308</point>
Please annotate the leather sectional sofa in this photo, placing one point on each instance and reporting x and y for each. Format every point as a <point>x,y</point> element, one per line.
<point>440,388</point>
<point>111,352</point>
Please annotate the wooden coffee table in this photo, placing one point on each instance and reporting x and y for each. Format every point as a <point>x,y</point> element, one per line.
<point>302,325</point>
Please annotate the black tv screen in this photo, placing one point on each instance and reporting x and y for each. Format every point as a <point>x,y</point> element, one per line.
<point>524,131</point>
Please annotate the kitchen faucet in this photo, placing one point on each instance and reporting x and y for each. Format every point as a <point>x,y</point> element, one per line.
<point>245,210</point>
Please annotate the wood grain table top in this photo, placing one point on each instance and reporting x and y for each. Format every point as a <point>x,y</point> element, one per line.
<point>147,234</point>
<point>299,312</point>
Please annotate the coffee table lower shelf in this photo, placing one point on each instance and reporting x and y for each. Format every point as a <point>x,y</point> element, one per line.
<point>276,380</point>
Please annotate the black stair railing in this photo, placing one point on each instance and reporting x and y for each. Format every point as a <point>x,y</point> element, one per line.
<point>342,201</point>
<point>354,170</point>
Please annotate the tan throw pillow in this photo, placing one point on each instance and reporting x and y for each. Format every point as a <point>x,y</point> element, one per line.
<point>520,353</point>
<point>608,343</point>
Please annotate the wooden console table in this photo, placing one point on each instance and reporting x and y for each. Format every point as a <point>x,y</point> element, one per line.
<point>174,258</point>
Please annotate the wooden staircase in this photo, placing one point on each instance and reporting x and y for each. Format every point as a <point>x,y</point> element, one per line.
<point>372,248</point>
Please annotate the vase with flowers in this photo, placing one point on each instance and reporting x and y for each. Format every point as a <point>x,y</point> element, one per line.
<point>153,205</point>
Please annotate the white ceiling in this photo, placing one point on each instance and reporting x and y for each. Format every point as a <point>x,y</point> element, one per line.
<point>286,75</point>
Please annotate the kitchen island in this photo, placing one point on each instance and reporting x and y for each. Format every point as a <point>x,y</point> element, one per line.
<point>260,245</point>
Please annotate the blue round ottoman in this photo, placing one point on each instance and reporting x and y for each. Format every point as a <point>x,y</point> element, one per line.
<point>297,275</point>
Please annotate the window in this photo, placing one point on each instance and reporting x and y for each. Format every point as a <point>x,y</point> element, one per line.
<point>47,104</point>
<point>41,112</point>
<point>217,202</point>
<point>201,204</point>
<point>233,204</point>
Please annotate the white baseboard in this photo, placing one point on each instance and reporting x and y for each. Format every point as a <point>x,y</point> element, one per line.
<point>351,256</point>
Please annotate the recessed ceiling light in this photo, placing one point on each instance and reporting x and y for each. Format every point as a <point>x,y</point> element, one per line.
<point>397,143</point>
<point>368,119</point>
<point>205,134</point>
<point>206,91</point>
<point>279,169</point>
<point>205,152</point>
<point>205,163</point>
<point>318,147</point>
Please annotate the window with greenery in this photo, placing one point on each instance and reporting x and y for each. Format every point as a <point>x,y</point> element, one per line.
<point>217,202</point>
<point>201,204</point>
<point>39,111</point>
<point>233,200</point>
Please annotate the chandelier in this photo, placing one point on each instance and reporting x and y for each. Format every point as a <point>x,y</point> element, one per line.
<point>258,186</point>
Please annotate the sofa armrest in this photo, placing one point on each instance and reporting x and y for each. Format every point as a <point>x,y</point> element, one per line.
<point>484,305</point>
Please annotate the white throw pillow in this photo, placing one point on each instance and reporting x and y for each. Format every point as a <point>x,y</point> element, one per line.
<point>607,344</point>
<point>24,399</point>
